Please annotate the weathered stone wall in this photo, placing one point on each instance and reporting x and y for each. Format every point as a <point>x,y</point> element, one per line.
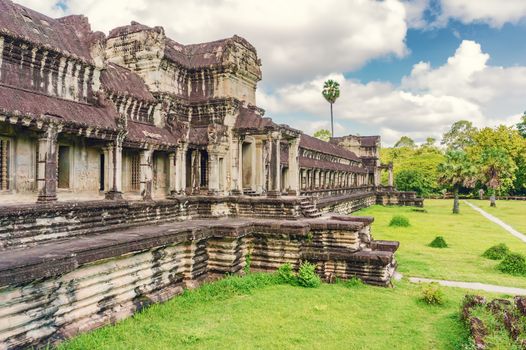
<point>92,281</point>
<point>46,71</point>
<point>398,198</point>
<point>346,204</point>
<point>23,161</point>
<point>27,225</point>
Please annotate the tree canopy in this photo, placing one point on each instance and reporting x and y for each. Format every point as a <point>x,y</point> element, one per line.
<point>331,91</point>
<point>405,141</point>
<point>323,134</point>
<point>460,135</point>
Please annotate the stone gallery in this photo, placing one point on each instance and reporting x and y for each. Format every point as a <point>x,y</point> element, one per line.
<point>120,155</point>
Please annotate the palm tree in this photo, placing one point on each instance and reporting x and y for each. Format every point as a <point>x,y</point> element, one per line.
<point>331,92</point>
<point>496,163</point>
<point>455,172</point>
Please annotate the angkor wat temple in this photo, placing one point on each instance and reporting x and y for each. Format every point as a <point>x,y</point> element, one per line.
<point>120,157</point>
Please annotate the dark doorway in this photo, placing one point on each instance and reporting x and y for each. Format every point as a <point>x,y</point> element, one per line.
<point>101,173</point>
<point>63,167</point>
<point>204,168</point>
<point>189,169</point>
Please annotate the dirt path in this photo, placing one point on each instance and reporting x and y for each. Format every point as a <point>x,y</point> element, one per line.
<point>472,285</point>
<point>499,222</point>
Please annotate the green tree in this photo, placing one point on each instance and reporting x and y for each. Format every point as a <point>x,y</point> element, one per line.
<point>498,170</point>
<point>459,136</point>
<point>323,134</point>
<point>405,141</point>
<point>501,144</point>
<point>422,160</point>
<point>521,126</point>
<point>430,142</point>
<point>414,180</point>
<point>331,92</point>
<point>455,172</point>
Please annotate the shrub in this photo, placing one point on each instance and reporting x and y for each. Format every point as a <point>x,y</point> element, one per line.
<point>513,264</point>
<point>497,252</point>
<point>438,242</point>
<point>248,261</point>
<point>354,282</point>
<point>399,221</point>
<point>307,276</point>
<point>286,274</point>
<point>432,295</point>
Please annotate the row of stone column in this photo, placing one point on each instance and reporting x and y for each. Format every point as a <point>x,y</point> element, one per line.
<point>313,179</point>
<point>265,159</point>
<point>47,168</point>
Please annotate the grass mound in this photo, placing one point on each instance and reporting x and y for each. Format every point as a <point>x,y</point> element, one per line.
<point>497,252</point>
<point>399,221</point>
<point>513,264</point>
<point>438,242</point>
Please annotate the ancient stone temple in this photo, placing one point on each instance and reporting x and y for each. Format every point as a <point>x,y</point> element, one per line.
<point>120,157</point>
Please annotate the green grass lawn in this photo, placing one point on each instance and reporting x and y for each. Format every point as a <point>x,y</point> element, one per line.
<point>468,234</point>
<point>511,212</point>
<point>287,317</point>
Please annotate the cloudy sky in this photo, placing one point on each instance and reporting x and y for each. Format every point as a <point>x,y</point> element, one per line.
<point>405,67</point>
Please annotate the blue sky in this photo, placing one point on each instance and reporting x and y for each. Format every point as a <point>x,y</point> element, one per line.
<point>406,67</point>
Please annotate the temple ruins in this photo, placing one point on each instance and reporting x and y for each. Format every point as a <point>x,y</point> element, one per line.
<point>120,157</point>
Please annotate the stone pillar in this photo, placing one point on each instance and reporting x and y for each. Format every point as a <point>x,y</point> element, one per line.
<point>377,177</point>
<point>235,186</point>
<point>115,191</point>
<point>275,166</point>
<point>146,174</point>
<point>294,166</point>
<point>213,178</point>
<point>47,165</point>
<point>182,168</point>
<point>390,183</point>
<point>108,167</point>
<point>172,164</point>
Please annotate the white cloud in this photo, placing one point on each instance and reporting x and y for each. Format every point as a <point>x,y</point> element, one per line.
<point>296,39</point>
<point>426,103</point>
<point>494,12</point>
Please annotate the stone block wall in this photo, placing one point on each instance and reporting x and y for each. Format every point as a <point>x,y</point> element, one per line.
<point>399,198</point>
<point>346,204</point>
<point>58,289</point>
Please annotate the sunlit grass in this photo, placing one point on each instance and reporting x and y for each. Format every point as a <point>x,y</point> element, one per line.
<point>467,234</point>
<point>511,212</point>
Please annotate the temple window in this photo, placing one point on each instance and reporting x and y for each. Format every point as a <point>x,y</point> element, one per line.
<point>5,145</point>
<point>135,172</point>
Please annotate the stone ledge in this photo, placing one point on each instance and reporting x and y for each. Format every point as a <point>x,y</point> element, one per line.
<point>56,258</point>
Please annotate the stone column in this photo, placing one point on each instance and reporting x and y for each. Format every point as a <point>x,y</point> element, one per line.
<point>235,186</point>
<point>108,167</point>
<point>376,176</point>
<point>181,151</point>
<point>115,191</point>
<point>294,166</point>
<point>275,166</point>
<point>213,178</point>
<point>47,165</point>
<point>390,183</point>
<point>172,164</point>
<point>146,174</point>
